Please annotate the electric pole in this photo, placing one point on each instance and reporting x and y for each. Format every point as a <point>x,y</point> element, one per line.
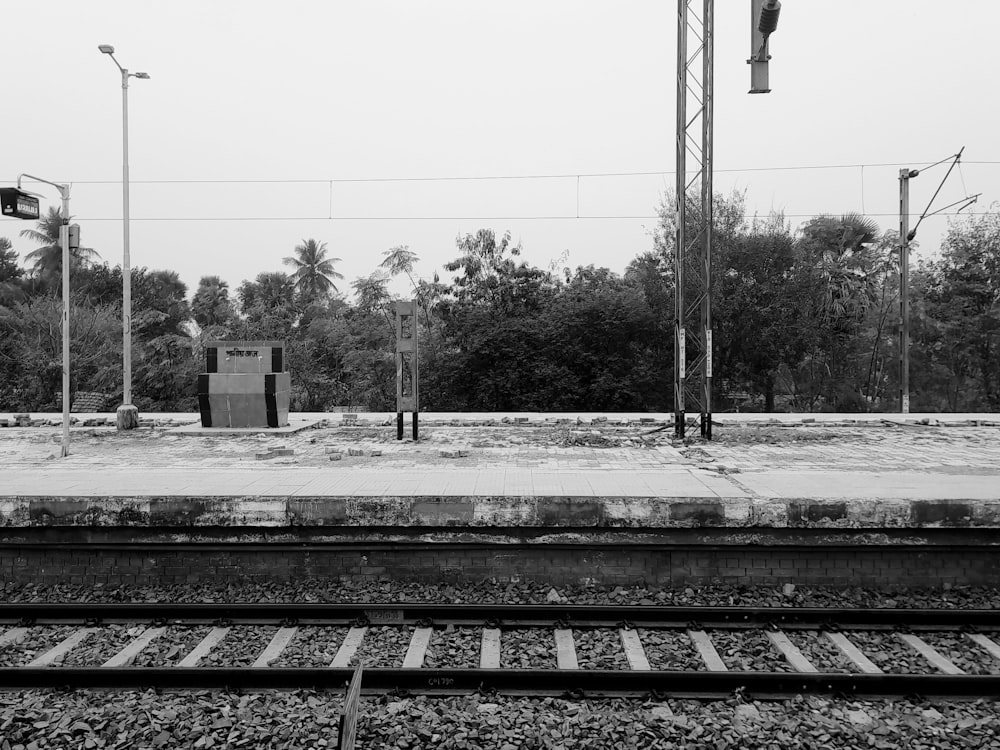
<point>905,236</point>
<point>693,239</point>
<point>904,288</point>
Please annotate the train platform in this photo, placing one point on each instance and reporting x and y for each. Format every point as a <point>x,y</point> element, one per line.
<point>821,497</point>
<point>519,469</point>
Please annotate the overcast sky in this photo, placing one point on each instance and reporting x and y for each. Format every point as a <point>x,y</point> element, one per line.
<point>264,124</point>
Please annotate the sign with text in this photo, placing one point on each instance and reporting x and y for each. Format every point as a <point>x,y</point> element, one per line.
<point>19,205</point>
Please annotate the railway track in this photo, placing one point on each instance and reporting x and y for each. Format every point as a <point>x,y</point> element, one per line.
<point>245,646</point>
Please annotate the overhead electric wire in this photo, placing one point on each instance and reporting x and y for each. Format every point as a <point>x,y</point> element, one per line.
<point>469,178</point>
<point>567,217</point>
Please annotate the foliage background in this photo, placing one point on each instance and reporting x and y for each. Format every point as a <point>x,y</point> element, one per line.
<point>804,321</point>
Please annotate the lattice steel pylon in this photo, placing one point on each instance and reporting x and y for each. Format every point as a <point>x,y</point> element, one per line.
<point>693,246</point>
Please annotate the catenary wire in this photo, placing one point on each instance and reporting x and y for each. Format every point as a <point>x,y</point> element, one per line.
<point>468,218</point>
<point>468,178</point>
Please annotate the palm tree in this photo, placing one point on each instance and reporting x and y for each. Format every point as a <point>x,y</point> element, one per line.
<point>314,272</point>
<point>168,301</point>
<point>47,260</point>
<point>840,249</point>
<point>211,305</point>
<point>270,289</point>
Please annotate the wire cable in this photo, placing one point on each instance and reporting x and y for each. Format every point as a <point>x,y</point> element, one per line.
<point>567,217</point>
<point>472,178</point>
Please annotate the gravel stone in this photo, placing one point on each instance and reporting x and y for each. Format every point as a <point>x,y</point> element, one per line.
<point>101,646</point>
<point>527,649</point>
<point>963,652</point>
<point>821,652</point>
<point>240,648</point>
<point>454,647</point>
<point>670,649</point>
<point>308,719</point>
<point>599,648</point>
<point>497,591</point>
<point>383,647</point>
<point>171,647</point>
<point>37,641</point>
<point>312,646</point>
<point>748,651</point>
<point>889,653</point>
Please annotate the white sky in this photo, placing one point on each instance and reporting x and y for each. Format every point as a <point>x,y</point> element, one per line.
<point>254,93</point>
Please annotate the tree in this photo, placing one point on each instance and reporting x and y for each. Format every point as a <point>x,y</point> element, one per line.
<point>268,307</point>
<point>164,366</point>
<point>270,290</point>
<point>47,260</point>
<point>211,306</point>
<point>163,292</point>
<point>959,314</point>
<point>841,263</point>
<point>490,274</point>
<point>32,350</point>
<point>314,272</point>
<point>755,306</point>
<point>373,295</point>
<point>399,260</point>
<point>10,273</point>
<point>839,250</point>
<point>9,269</point>
<point>602,332</point>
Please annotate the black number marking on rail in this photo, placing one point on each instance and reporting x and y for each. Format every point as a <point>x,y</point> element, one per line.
<point>384,615</point>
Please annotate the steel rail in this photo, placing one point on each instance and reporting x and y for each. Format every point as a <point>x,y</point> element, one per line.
<point>594,683</point>
<point>508,615</point>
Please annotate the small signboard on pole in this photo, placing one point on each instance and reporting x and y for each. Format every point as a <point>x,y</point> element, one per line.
<point>19,205</point>
<point>407,365</point>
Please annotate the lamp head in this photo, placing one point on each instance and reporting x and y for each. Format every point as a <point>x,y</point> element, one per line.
<point>107,49</point>
<point>142,75</point>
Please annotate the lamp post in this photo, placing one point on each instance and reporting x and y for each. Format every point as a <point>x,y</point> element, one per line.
<point>64,240</point>
<point>128,415</point>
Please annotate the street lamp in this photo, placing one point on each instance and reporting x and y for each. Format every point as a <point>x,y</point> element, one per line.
<point>64,242</point>
<point>128,415</point>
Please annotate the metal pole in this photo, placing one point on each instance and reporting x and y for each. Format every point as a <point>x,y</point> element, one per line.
<point>128,415</point>
<point>706,209</point>
<point>64,242</point>
<point>904,291</point>
<point>126,261</point>
<point>64,239</point>
<point>681,188</point>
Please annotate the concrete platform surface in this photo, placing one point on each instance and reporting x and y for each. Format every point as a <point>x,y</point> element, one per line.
<point>542,470</point>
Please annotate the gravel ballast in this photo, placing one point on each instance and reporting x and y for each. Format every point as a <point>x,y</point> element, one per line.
<point>303,719</point>
<point>525,592</point>
<point>37,720</point>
